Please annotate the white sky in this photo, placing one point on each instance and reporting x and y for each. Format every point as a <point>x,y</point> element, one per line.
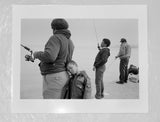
<point>36,32</point>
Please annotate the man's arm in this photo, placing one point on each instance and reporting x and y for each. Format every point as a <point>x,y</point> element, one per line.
<point>50,52</point>
<point>121,51</point>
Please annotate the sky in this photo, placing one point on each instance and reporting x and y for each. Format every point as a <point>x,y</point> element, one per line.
<point>85,32</point>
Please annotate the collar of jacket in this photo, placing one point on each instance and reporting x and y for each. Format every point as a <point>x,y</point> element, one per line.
<point>64,32</point>
<point>103,47</point>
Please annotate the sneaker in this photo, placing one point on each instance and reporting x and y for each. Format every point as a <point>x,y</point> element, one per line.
<point>120,82</point>
<point>98,97</point>
<point>102,95</point>
<point>125,81</point>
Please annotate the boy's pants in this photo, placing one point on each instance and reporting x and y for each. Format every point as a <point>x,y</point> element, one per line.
<point>53,85</point>
<point>123,69</point>
<point>99,81</point>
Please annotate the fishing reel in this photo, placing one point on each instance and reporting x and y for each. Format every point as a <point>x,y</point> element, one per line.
<point>29,58</point>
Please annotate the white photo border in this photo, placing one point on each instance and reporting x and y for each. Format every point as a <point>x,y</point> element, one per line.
<point>80,12</point>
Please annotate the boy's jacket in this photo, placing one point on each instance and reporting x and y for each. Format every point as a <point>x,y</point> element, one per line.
<point>78,87</point>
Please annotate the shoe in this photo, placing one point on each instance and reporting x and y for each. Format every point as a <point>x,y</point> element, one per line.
<point>102,96</point>
<point>125,81</point>
<point>98,97</point>
<point>120,82</point>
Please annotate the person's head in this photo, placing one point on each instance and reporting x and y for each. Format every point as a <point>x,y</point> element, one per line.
<point>105,43</point>
<point>59,24</point>
<point>72,67</point>
<point>123,40</point>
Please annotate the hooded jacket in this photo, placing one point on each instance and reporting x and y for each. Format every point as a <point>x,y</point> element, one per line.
<point>102,57</point>
<point>58,51</point>
<point>78,87</point>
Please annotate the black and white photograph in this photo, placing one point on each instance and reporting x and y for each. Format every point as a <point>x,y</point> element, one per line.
<point>93,58</point>
<point>108,45</point>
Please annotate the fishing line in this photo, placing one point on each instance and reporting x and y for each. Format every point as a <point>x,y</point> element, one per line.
<point>95,31</point>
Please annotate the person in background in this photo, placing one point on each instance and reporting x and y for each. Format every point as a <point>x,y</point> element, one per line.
<point>79,85</point>
<point>124,56</point>
<point>57,52</point>
<point>99,67</point>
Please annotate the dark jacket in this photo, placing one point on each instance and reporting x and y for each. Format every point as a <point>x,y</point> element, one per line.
<point>78,87</point>
<point>102,57</point>
<point>58,51</point>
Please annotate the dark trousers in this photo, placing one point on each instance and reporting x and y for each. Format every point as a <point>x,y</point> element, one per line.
<point>99,81</point>
<point>123,69</point>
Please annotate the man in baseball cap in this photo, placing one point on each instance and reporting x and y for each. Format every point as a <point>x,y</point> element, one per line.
<point>124,56</point>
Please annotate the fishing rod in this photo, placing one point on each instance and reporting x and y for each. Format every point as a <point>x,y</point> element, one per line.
<point>96,34</point>
<point>28,57</point>
<point>27,48</point>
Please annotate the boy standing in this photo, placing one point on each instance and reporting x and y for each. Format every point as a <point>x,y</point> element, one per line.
<point>99,67</point>
<point>79,85</point>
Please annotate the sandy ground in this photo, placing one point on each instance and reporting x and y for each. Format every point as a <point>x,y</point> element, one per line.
<point>113,90</point>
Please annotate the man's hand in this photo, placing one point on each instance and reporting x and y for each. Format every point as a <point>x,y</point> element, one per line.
<point>116,57</point>
<point>94,68</point>
<point>35,54</point>
<point>99,48</point>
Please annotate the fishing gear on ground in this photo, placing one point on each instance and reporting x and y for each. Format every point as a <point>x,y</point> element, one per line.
<point>28,57</point>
